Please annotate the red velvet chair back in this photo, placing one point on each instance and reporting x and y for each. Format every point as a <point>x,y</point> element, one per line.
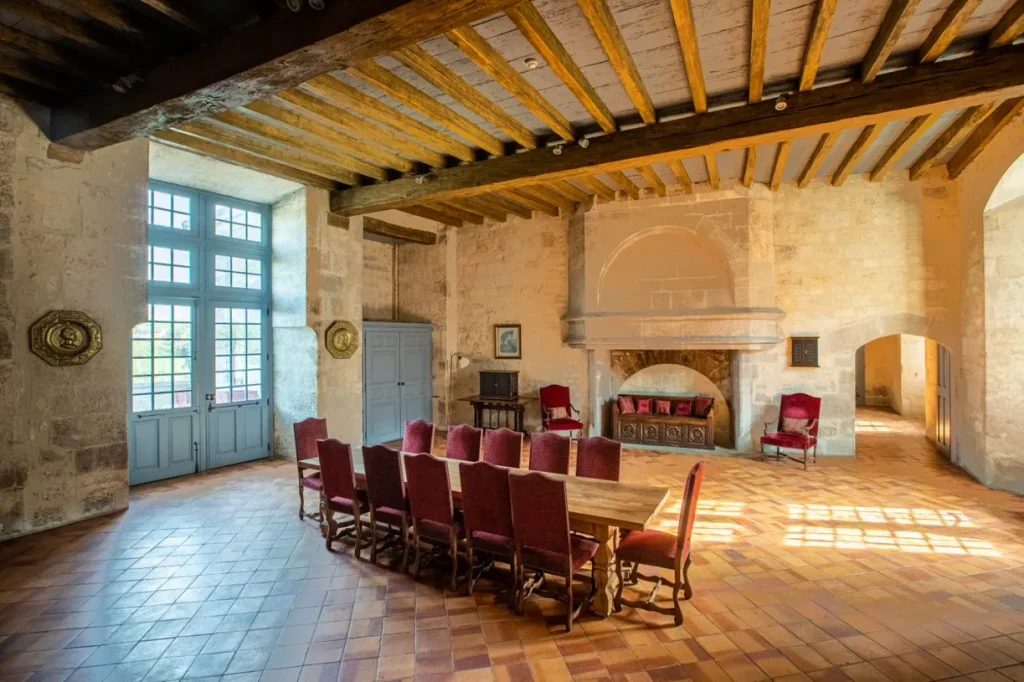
<point>555,396</point>
<point>688,511</point>
<point>384,485</point>
<point>801,406</point>
<point>307,433</point>
<point>429,488</point>
<point>336,469</point>
<point>486,505</point>
<point>464,443</point>
<point>419,437</point>
<point>599,457</point>
<point>540,513</point>
<point>503,447</point>
<point>549,452</point>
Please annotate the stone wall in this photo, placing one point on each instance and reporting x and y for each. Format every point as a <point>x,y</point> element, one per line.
<point>378,281</point>
<point>913,387</point>
<point>72,236</point>
<point>882,373</point>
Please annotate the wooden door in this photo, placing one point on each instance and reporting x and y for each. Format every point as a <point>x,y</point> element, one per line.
<point>944,418</point>
<point>416,377</point>
<point>382,407</point>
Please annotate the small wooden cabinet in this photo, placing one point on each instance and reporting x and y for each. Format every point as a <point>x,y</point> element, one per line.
<point>664,429</point>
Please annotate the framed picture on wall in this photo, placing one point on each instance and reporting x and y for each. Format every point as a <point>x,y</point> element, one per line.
<point>508,342</point>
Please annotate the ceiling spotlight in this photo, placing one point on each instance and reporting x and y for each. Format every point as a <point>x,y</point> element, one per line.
<point>557,150</point>
<point>531,63</point>
<point>781,102</point>
<point>584,142</point>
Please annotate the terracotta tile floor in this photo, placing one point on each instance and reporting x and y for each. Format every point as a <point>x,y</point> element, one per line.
<point>891,566</point>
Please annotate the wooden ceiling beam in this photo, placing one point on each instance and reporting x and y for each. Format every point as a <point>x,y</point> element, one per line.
<point>713,177</point>
<point>657,185</point>
<point>523,196</point>
<point>951,137</point>
<point>457,212</point>
<point>749,166</point>
<point>898,95</point>
<point>946,30</point>
<point>824,13</point>
<point>255,62</point>
<point>1010,26</point>
<point>896,18</point>
<point>529,22</point>
<point>860,146</point>
<point>491,62</point>
<point>26,72</point>
<point>411,235</point>
<point>572,191</point>
<point>432,214</point>
<point>759,21</point>
<point>344,95</point>
<point>907,138</point>
<point>597,187</point>
<point>478,205</point>
<point>444,79</point>
<point>682,177</point>
<point>510,206</point>
<point>607,30</point>
<point>779,168</point>
<point>682,15</point>
<point>374,74</point>
<point>625,184</point>
<point>551,196</point>
<point>60,23</point>
<point>182,13</point>
<point>241,158</point>
<point>111,15</point>
<point>1000,117</point>
<point>48,53</point>
<point>825,144</point>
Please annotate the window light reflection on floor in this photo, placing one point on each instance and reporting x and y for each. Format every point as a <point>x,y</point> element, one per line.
<point>704,530</point>
<point>870,426</point>
<point>882,539</point>
<point>901,516</point>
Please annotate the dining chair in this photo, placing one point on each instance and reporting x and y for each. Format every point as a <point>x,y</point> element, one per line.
<point>662,550</point>
<point>464,443</point>
<point>307,433</point>
<point>549,453</point>
<point>340,493</point>
<point>487,517</point>
<point>433,515</point>
<point>540,522</point>
<point>419,437</point>
<point>386,497</point>
<point>503,447</point>
<point>598,457</point>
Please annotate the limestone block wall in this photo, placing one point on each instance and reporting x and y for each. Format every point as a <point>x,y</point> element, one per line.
<point>378,281</point>
<point>882,373</point>
<point>72,236</point>
<point>913,386</point>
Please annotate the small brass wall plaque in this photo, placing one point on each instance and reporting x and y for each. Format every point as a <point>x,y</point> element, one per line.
<point>342,339</point>
<point>65,337</point>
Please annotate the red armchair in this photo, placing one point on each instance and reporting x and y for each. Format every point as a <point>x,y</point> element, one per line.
<point>796,429</point>
<point>556,410</point>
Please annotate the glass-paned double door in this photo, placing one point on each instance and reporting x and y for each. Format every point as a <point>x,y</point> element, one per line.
<point>200,369</point>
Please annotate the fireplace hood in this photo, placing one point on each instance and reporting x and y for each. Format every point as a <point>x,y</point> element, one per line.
<point>724,328</point>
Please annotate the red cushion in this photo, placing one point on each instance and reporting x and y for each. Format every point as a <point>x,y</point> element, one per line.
<point>663,407</point>
<point>564,425</point>
<point>313,482</point>
<point>702,407</point>
<point>344,504</point>
<point>684,408</point>
<point>626,405</point>
<point>643,405</point>
<point>789,440</point>
<point>438,531</point>
<point>650,547</point>
<point>388,515</point>
<point>582,550</point>
<point>491,542</point>
<point>797,427</point>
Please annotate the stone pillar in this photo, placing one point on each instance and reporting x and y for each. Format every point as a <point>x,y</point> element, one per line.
<point>745,419</point>
<point>599,383</point>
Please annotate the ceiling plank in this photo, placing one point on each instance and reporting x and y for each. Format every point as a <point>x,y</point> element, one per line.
<point>444,79</point>
<point>1000,117</point>
<point>521,196</point>
<point>257,61</point>
<point>824,12</point>
<point>431,214</point>
<point>1010,26</point>
<point>683,17</point>
<point>243,159</point>
<point>951,137</point>
<point>896,18</point>
<point>112,15</point>
<point>625,184</point>
<point>898,95</point>
<point>652,178</point>
<point>946,30</point>
<point>759,22</point>
<point>749,166</point>
<point>372,73</point>
<point>58,22</point>
<point>478,205</point>
<point>330,135</point>
<point>536,30</point>
<point>383,137</point>
<point>497,67</point>
<point>860,146</point>
<point>913,132</point>
<point>545,193</point>
<point>299,143</point>
<point>825,144</point>
<point>682,177</point>
<point>372,108</point>
<point>713,176</point>
<point>601,20</point>
<point>382,228</point>
<point>779,168</point>
<point>48,53</point>
<point>181,13</point>
<point>513,207</point>
<point>597,187</point>
<point>456,212</point>
<point>572,191</point>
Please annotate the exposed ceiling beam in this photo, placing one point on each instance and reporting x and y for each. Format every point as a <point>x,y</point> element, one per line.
<point>713,177</point>
<point>60,23</point>
<point>479,205</point>
<point>946,30</point>
<point>759,20</point>
<point>651,176</point>
<point>779,167</point>
<point>48,53</point>
<point>1010,26</point>
<point>382,228</point>
<point>825,144</point>
<point>257,61</point>
<point>682,177</point>
<point>907,138</point>
<point>545,193</point>
<point>624,183</point>
<point>522,195</point>
<point>986,131</point>
<point>896,18</point>
<point>457,212</point>
<point>572,191</point>
<point>112,15</point>
<point>683,17</point>
<point>433,214</point>
<point>597,187</point>
<point>951,137</point>
<point>182,13</point>
<point>513,207</point>
<point>824,12</point>
<point>749,166</point>
<point>943,86</point>
<point>860,146</point>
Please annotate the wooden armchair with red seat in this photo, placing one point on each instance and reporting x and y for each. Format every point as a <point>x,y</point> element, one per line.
<point>557,410</point>
<point>796,429</point>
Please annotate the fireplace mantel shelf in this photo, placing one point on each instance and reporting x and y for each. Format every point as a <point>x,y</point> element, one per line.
<point>730,328</point>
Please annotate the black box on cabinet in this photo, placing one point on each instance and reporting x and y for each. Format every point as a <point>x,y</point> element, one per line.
<point>499,383</point>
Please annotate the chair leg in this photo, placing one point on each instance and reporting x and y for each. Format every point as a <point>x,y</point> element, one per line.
<point>622,584</point>
<point>805,459</point>
<point>687,589</point>
<point>302,501</point>
<point>455,558</point>
<point>373,534</point>
<point>329,519</point>
<point>416,551</point>
<point>405,541</point>
<point>815,453</point>
<point>469,575</point>
<point>675,604</point>
<point>359,529</point>
<point>568,601</point>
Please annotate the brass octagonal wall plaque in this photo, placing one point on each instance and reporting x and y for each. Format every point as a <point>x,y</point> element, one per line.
<point>342,339</point>
<point>65,337</point>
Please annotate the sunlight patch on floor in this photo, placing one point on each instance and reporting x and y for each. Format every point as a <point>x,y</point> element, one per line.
<point>897,515</point>
<point>909,541</point>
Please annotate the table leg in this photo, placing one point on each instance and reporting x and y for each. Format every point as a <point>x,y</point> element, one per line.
<point>604,573</point>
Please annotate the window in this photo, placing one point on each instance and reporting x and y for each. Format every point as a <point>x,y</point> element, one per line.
<point>162,359</point>
<point>238,354</point>
<point>237,223</point>
<point>170,210</point>
<point>238,273</point>
<point>172,266</point>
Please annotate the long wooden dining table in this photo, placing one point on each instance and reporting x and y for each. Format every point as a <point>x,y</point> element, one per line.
<point>596,508</point>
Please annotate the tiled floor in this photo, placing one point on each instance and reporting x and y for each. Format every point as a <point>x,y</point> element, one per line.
<point>891,566</point>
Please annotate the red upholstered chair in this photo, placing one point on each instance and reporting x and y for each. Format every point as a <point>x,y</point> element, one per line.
<point>307,433</point>
<point>503,447</point>
<point>433,515</point>
<point>487,515</point>
<point>549,453</point>
<point>598,457</point>
<point>540,519</point>
<point>797,428</point>
<point>464,443</point>
<point>386,495</point>
<point>557,410</point>
<point>663,550</point>
<point>339,491</point>
<point>419,437</point>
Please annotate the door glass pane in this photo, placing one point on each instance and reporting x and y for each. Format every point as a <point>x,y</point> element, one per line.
<point>237,223</point>
<point>237,273</point>
<point>169,210</point>
<point>238,349</point>
<point>162,359</point>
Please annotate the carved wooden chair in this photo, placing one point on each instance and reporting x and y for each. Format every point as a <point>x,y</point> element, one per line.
<point>433,514</point>
<point>385,493</point>
<point>487,515</point>
<point>557,410</point>
<point>503,447</point>
<point>307,433</point>
<point>340,494</point>
<point>662,550</point>
<point>549,453</point>
<point>464,443</point>
<point>796,429</point>
<point>419,437</point>
<point>599,457</point>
